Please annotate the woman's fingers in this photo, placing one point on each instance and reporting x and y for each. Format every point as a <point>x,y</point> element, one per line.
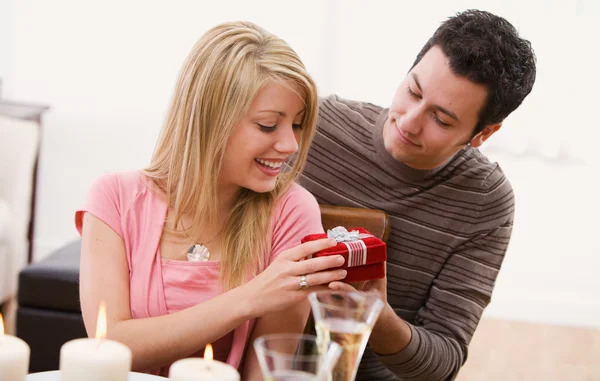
<point>314,265</point>
<point>322,278</point>
<point>307,248</point>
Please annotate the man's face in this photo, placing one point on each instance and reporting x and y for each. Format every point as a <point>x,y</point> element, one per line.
<point>433,114</point>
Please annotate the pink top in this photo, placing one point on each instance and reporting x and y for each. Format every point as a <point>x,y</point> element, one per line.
<point>125,202</point>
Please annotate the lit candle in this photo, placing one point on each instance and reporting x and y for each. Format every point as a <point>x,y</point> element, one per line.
<point>14,356</point>
<point>202,369</point>
<point>96,359</point>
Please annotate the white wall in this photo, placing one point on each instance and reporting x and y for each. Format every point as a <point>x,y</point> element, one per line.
<point>108,68</point>
<point>547,147</point>
<point>6,43</point>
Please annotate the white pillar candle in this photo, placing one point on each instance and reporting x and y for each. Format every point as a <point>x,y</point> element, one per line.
<point>96,359</point>
<point>202,369</point>
<point>14,357</point>
<point>199,369</point>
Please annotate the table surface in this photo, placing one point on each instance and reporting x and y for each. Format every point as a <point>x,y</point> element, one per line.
<point>55,376</point>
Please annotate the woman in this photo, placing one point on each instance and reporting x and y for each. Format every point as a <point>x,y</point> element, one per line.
<point>193,249</point>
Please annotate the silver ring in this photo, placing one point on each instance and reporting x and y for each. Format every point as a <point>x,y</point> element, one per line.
<point>303,282</point>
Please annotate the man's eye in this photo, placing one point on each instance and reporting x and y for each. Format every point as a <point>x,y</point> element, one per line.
<point>266,128</point>
<point>440,122</point>
<point>411,93</point>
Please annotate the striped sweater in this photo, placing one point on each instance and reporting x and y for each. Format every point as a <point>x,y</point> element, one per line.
<point>450,228</point>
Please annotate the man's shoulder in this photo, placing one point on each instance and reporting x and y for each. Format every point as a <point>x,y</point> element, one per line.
<point>476,177</point>
<point>474,188</point>
<point>335,106</point>
<point>489,172</point>
<point>338,101</point>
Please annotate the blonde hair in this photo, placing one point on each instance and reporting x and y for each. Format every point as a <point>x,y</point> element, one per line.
<point>216,86</point>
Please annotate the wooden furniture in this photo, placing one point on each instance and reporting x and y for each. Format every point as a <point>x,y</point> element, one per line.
<point>375,221</point>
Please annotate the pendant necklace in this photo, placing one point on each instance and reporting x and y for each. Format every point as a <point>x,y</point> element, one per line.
<point>199,252</point>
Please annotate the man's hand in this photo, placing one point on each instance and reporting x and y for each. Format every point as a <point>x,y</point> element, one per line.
<point>390,334</point>
<point>377,287</point>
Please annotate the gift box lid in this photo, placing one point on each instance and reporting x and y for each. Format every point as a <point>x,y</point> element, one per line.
<point>362,250</point>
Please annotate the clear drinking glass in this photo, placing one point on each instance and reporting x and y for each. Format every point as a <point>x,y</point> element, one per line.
<point>346,318</point>
<point>295,357</point>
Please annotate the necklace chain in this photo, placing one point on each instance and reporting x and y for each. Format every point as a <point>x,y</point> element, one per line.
<point>200,252</point>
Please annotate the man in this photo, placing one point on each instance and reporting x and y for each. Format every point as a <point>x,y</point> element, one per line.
<point>451,209</point>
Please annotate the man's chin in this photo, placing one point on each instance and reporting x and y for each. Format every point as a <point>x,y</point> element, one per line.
<point>407,159</point>
<point>395,150</point>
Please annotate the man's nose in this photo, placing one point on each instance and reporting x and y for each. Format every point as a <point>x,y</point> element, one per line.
<point>411,122</point>
<point>286,141</point>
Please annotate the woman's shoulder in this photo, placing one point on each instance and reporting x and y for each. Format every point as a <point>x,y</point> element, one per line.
<point>121,188</point>
<point>121,179</point>
<point>123,182</point>
<point>297,215</point>
<point>110,196</point>
<point>296,204</point>
<point>295,196</point>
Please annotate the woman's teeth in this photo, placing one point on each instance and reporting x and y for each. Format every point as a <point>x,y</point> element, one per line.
<point>270,164</point>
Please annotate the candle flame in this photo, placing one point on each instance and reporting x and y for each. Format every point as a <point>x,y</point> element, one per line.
<point>101,325</point>
<point>1,326</point>
<point>208,352</point>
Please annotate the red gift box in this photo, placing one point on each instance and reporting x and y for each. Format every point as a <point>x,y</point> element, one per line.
<point>364,257</point>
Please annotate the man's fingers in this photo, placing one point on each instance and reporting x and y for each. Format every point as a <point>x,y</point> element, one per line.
<point>360,285</point>
<point>341,286</point>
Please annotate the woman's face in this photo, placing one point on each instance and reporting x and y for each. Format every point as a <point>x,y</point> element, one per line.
<point>263,140</point>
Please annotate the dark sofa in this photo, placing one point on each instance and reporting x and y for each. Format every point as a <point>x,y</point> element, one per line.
<point>49,313</point>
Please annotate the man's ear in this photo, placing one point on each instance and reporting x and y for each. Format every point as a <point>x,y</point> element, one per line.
<point>481,137</point>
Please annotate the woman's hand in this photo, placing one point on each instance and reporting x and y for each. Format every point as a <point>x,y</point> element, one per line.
<point>279,286</point>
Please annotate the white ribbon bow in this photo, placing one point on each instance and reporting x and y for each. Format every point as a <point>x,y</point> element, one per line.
<point>357,250</point>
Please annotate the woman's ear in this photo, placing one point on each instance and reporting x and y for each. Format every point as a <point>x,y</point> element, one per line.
<point>481,137</point>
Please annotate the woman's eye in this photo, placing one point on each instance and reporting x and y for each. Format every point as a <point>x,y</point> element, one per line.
<point>264,128</point>
<point>297,126</point>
